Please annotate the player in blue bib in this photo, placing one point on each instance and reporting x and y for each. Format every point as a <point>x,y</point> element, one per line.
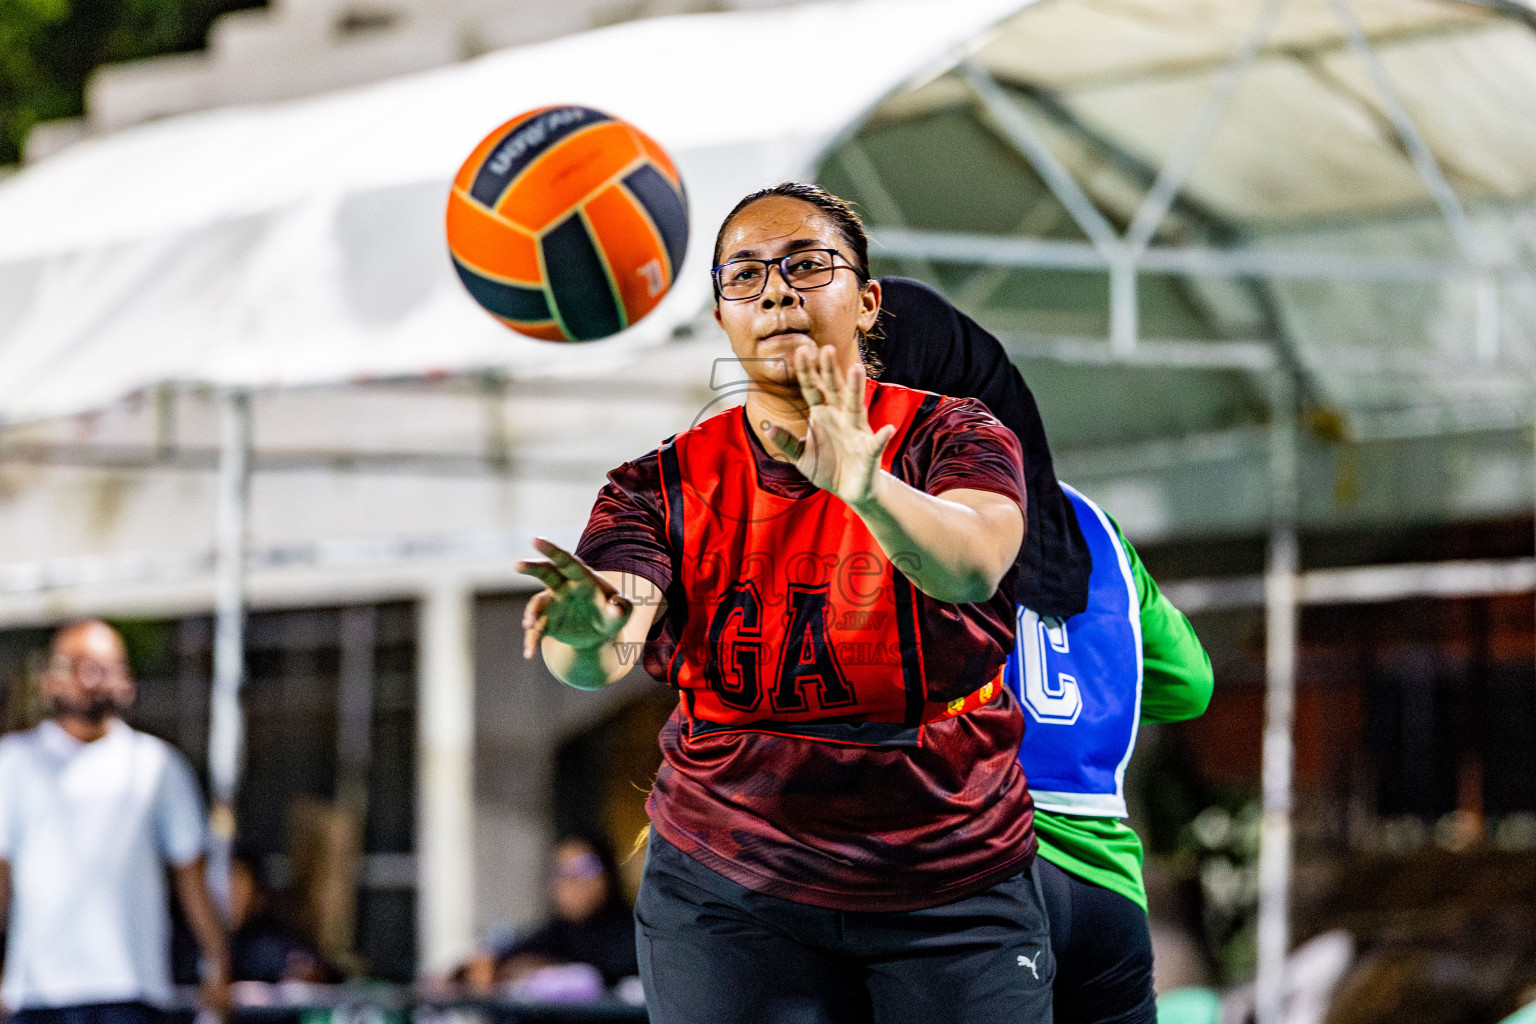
<point>1086,685</point>
<point>1086,682</point>
<point>1073,679</point>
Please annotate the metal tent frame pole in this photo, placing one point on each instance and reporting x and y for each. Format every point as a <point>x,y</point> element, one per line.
<point>445,802</point>
<point>226,720</point>
<point>1280,639</point>
<point>1124,257</point>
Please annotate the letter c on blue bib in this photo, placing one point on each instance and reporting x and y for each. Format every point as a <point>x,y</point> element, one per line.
<point>1080,683</point>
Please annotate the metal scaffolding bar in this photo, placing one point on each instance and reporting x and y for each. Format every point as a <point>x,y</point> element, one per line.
<point>204,459</point>
<point>226,726</point>
<point>1487,328</point>
<point>1513,9</point>
<point>445,739</point>
<point>1279,706</point>
<point>340,554</point>
<point>1255,356</point>
<point>1473,249</point>
<point>1176,169</point>
<point>1124,316</point>
<point>1202,261</point>
<point>1353,585</point>
<point>1418,150</point>
<point>1113,153</point>
<point>865,176</point>
<point>1015,128</point>
<point>1365,584</point>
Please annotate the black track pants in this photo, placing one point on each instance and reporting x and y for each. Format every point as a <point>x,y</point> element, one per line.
<point>1103,952</point>
<point>713,952</point>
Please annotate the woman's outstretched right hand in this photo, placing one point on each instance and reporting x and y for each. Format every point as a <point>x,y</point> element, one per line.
<point>577,607</point>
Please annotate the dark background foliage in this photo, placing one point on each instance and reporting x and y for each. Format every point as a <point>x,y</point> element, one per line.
<point>49,47</point>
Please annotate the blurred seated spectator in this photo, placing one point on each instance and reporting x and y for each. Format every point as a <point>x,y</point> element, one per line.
<point>478,973</point>
<point>262,947</point>
<point>592,925</point>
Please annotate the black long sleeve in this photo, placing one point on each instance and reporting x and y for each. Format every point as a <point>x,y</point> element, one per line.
<point>925,342</point>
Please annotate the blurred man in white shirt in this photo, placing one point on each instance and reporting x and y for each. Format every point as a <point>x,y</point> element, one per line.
<point>91,812</point>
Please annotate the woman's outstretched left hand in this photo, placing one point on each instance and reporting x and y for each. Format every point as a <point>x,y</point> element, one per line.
<point>839,452</point>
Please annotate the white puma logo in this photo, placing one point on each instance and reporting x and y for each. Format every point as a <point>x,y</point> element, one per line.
<point>1025,961</point>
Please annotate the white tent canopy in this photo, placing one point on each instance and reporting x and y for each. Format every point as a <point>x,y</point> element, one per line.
<point>1347,187</point>
<point>301,243</point>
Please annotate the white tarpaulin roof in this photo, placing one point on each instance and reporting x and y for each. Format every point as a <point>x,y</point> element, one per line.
<point>1421,381</point>
<point>1305,160</point>
<point>302,243</point>
<point>1307,136</point>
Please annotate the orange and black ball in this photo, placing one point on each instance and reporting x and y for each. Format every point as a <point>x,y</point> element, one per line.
<point>568,224</point>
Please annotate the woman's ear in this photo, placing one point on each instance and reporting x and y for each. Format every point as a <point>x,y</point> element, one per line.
<point>869,305</point>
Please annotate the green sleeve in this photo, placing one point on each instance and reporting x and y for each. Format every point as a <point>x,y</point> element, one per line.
<point>1176,671</point>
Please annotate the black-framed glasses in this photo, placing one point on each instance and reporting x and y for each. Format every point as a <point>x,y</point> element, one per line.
<point>740,280</point>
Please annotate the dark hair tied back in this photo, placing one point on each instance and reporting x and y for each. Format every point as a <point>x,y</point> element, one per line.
<point>848,222</point>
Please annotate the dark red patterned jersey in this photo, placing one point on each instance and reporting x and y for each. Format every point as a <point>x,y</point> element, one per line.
<point>841,740</point>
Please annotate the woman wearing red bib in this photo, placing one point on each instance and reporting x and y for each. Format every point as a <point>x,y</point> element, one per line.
<point>841,831</point>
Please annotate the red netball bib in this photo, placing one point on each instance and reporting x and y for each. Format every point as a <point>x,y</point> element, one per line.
<point>796,622</point>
